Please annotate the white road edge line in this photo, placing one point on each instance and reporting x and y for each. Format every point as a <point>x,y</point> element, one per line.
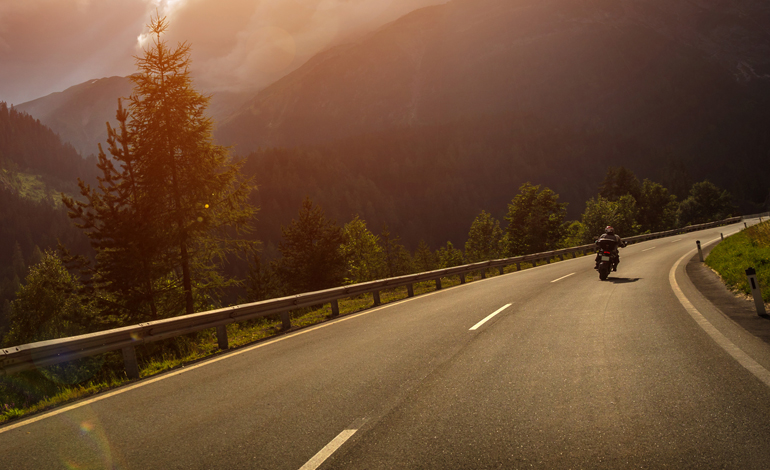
<point>477,325</point>
<point>743,359</point>
<point>648,249</point>
<point>563,277</point>
<point>327,451</point>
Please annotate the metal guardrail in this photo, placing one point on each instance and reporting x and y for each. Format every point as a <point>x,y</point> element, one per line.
<point>45,353</point>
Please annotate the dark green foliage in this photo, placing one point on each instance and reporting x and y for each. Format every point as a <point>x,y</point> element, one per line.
<point>484,239</point>
<point>398,261</point>
<point>535,219</point>
<point>706,203</point>
<point>449,256</point>
<point>262,282</point>
<point>362,251</point>
<point>48,305</point>
<point>656,208</point>
<point>35,148</point>
<point>619,182</point>
<point>311,259</point>
<point>601,212</point>
<point>424,258</point>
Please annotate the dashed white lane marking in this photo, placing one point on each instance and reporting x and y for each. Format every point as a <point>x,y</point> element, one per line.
<point>327,451</point>
<point>677,240</point>
<point>743,359</point>
<point>489,317</point>
<point>563,277</point>
<point>648,249</point>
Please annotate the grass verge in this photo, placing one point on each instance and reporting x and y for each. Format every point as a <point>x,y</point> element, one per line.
<point>750,248</point>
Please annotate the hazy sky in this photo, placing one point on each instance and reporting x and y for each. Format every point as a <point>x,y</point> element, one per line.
<point>50,45</point>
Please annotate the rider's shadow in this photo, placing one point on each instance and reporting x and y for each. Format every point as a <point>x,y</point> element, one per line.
<point>622,280</point>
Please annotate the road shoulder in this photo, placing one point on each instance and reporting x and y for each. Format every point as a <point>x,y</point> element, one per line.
<point>739,310</point>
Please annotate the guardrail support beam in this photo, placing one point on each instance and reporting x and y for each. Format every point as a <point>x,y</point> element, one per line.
<point>484,273</point>
<point>222,337</point>
<point>335,308</point>
<point>518,266</point>
<point>462,278</point>
<point>410,290</point>
<point>285,321</point>
<point>501,269</point>
<point>438,284</point>
<point>377,301</point>
<point>129,362</point>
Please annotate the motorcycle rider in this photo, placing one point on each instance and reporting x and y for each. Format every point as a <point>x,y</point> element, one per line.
<point>609,234</point>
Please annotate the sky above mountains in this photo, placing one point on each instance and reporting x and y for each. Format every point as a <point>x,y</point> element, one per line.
<point>237,45</point>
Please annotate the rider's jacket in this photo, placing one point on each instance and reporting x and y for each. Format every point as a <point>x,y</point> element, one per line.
<point>612,236</point>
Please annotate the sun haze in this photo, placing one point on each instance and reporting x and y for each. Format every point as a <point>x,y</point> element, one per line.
<point>49,45</point>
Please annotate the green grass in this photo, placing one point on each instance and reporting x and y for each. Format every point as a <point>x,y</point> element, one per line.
<point>155,358</point>
<point>750,248</point>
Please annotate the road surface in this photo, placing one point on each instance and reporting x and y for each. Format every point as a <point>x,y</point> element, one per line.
<point>543,368</point>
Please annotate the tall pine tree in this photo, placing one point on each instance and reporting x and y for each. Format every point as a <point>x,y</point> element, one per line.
<point>168,210</point>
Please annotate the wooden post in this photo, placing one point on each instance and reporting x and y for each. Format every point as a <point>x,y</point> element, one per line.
<point>335,308</point>
<point>129,362</point>
<point>285,321</point>
<point>376,295</point>
<point>410,290</point>
<point>222,337</point>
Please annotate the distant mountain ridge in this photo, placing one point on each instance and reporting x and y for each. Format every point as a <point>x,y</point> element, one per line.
<point>79,114</point>
<point>607,61</point>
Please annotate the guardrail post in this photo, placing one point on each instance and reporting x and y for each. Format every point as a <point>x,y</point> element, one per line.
<point>222,337</point>
<point>484,273</point>
<point>410,290</point>
<point>751,273</point>
<point>335,308</point>
<point>129,362</point>
<point>548,260</point>
<point>518,266</point>
<point>501,269</point>
<point>561,257</point>
<point>376,295</point>
<point>438,284</point>
<point>285,321</point>
<point>700,251</point>
<point>462,278</point>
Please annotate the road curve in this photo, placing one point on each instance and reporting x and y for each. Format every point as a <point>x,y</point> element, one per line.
<point>546,368</point>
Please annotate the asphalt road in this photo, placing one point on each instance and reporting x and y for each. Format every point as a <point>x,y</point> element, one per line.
<point>571,372</point>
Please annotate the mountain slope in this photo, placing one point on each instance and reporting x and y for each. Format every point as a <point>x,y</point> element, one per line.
<point>612,63</point>
<point>79,114</point>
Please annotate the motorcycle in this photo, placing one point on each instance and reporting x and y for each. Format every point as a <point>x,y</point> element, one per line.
<point>606,257</point>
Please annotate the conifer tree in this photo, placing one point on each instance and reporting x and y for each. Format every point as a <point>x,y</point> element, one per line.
<point>424,258</point>
<point>535,219</point>
<point>311,258</point>
<point>159,218</point>
<point>483,239</point>
<point>398,261</point>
